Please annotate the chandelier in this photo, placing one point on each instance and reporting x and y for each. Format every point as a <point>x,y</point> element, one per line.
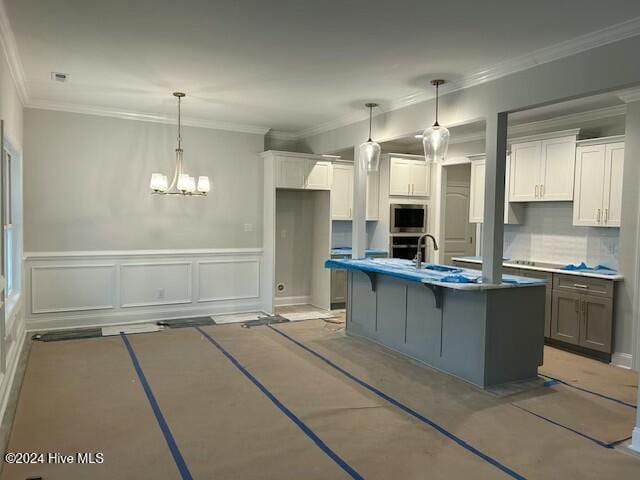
<point>182,183</point>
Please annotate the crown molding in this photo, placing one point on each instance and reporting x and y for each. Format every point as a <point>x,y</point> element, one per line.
<point>145,117</point>
<point>281,135</point>
<point>598,38</point>
<point>630,95</point>
<point>10,49</point>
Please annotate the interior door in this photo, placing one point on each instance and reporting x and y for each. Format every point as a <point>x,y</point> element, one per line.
<point>558,165</point>
<point>420,179</point>
<point>565,317</point>
<point>590,172</point>
<point>525,172</point>
<point>341,192</point>
<point>399,176</point>
<point>596,328</point>
<point>614,166</point>
<point>459,234</point>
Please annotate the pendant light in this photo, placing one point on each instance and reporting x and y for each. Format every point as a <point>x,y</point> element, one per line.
<point>370,150</point>
<point>435,139</point>
<point>182,183</point>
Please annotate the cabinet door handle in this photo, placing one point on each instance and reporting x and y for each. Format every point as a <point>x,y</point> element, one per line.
<point>598,216</point>
<point>413,188</point>
<point>606,215</point>
<point>408,189</point>
<point>581,285</point>
<point>542,190</point>
<point>536,192</point>
<point>577,306</point>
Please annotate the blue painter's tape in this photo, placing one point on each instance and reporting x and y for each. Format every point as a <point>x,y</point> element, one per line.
<point>551,383</point>
<point>292,416</point>
<point>594,440</point>
<point>166,431</point>
<point>405,408</point>
<point>601,395</point>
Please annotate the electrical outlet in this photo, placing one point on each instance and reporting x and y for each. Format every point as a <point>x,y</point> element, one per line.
<point>248,227</point>
<point>160,293</point>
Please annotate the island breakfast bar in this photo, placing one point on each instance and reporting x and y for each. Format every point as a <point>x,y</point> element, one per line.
<point>447,318</point>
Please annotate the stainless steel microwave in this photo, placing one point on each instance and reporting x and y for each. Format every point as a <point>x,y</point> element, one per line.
<point>408,218</point>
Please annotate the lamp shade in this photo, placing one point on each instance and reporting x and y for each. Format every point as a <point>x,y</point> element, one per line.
<point>436,143</point>
<point>183,182</point>
<point>158,182</point>
<point>203,184</point>
<point>370,154</point>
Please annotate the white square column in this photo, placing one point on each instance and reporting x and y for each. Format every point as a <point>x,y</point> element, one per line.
<point>493,228</point>
<point>359,221</point>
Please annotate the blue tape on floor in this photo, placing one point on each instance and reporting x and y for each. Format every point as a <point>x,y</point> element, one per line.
<point>557,380</point>
<point>594,440</point>
<point>166,431</point>
<point>405,408</point>
<point>299,423</point>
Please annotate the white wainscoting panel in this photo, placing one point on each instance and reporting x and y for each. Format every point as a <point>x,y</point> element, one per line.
<point>145,284</point>
<point>81,289</point>
<point>228,279</point>
<point>67,288</point>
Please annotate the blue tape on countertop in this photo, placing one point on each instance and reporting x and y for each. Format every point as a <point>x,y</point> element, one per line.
<point>405,408</point>
<point>166,431</point>
<point>583,267</point>
<point>292,416</point>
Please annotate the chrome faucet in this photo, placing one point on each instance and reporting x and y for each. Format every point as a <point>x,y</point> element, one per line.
<point>418,258</point>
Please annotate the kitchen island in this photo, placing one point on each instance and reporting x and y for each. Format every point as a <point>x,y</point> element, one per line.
<point>447,318</point>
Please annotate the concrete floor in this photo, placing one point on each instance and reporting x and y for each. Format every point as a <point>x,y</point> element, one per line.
<point>302,400</point>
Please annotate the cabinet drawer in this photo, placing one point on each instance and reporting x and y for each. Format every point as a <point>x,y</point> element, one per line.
<point>588,285</point>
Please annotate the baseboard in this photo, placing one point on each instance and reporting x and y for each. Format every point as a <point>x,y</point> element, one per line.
<point>635,440</point>
<point>104,319</point>
<point>622,360</point>
<point>287,301</point>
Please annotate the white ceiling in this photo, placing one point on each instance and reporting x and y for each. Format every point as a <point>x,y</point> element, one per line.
<point>284,64</point>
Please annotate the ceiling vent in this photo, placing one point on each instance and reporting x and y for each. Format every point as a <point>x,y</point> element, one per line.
<point>59,77</point>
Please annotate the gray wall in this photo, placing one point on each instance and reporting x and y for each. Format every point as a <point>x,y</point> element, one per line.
<point>294,240</point>
<point>86,185</point>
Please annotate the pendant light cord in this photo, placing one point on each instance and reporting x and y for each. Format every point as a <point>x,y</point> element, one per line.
<point>437,88</point>
<point>370,118</point>
<point>179,124</point>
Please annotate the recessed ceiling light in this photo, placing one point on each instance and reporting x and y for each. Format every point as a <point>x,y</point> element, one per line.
<point>59,77</point>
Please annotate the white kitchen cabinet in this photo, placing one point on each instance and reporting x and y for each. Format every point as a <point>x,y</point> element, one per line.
<point>543,170</point>
<point>598,184</point>
<point>512,212</point>
<point>303,173</point>
<point>342,193</point>
<point>409,177</point>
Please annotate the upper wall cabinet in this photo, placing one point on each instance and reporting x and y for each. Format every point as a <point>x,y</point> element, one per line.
<point>342,193</point>
<point>512,212</point>
<point>598,182</point>
<point>302,173</point>
<point>542,170</point>
<point>409,177</point>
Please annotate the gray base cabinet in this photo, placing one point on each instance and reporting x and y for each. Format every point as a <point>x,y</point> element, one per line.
<point>582,312</point>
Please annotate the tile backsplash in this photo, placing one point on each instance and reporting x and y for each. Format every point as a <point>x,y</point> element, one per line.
<point>341,233</point>
<point>549,236</point>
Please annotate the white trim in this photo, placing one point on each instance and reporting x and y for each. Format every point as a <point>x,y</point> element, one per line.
<point>288,301</point>
<point>281,135</point>
<point>283,153</point>
<point>8,379</point>
<point>33,290</point>
<point>546,136</point>
<point>622,360</point>
<point>144,117</point>
<point>630,95</point>
<point>140,253</point>
<point>635,440</point>
<point>180,301</point>
<point>10,48</point>
<point>131,317</point>
<point>201,299</point>
<point>600,140</point>
<point>598,38</point>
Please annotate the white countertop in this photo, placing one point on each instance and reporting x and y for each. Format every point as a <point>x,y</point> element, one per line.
<point>507,263</point>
